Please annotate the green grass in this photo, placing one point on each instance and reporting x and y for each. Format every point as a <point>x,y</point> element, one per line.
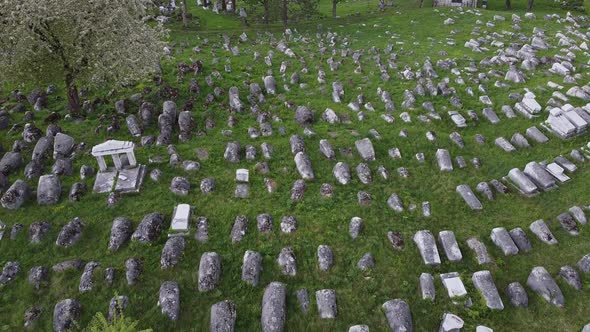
<point>321,221</point>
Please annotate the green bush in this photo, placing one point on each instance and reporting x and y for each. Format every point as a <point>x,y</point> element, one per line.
<point>120,323</point>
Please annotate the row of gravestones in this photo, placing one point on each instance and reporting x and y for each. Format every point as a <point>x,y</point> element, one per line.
<point>537,177</point>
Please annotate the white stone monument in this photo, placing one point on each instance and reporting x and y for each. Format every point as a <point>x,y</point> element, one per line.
<point>125,176</point>
<point>180,220</point>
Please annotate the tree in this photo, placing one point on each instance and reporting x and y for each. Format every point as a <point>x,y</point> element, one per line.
<point>334,3</point>
<point>184,14</point>
<point>508,5</point>
<point>90,43</point>
<point>530,5</point>
<point>284,12</point>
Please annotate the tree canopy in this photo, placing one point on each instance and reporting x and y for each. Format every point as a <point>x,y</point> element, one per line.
<point>87,42</point>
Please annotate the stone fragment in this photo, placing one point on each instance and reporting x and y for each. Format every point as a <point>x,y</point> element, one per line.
<point>359,328</point>
<point>469,197</point>
<point>209,271</point>
<point>542,231</point>
<point>502,239</point>
<point>355,227</point>
<point>520,239</point>
<point>287,262</point>
<point>180,186</point>
<point>71,233</point>
<point>38,275</point>
<point>274,309</point>
<point>367,262</point>
<point>121,231</point>
<point>325,257</point>
<point>169,300</point>
<point>427,246</point>
<point>399,316</point>
<point>38,231</point>
<point>32,315</point>
<point>66,315</point>
<point>396,239</point>
<point>172,251</point>
<point>149,229</point>
<point>72,264</point>
<point>517,295</point>
<point>303,164</point>
<point>365,149</point>
<point>541,282</point>
<point>239,228</point>
<point>395,203</point>
<point>570,276</point>
<point>9,272</point>
<point>251,267</point>
<point>86,281</point>
<point>18,193</point>
<point>326,303</point>
<point>453,284</point>
<point>117,306</point>
<point>302,296</point>
<point>223,317</point>
<point>451,323</point>
<point>482,280</point>
<point>341,173</point>
<point>133,269</point>
<point>584,264</point>
<point>427,286</point>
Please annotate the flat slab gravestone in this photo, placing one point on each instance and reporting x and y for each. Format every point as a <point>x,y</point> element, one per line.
<point>181,218</point>
<point>503,240</point>
<point>130,179</point>
<point>104,182</point>
<point>453,284</point>
<point>469,197</point>
<point>427,246</point>
<point>451,247</point>
<point>482,280</point>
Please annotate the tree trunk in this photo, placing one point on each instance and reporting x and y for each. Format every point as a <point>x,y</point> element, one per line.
<point>285,2</point>
<point>508,5</point>
<point>73,97</point>
<point>334,2</point>
<point>184,14</point>
<point>266,11</point>
<point>223,5</point>
<point>530,6</point>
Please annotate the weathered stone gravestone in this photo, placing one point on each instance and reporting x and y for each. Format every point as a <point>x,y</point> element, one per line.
<point>485,284</point>
<point>398,315</point>
<point>274,307</point>
<point>542,283</point>
<point>427,246</point>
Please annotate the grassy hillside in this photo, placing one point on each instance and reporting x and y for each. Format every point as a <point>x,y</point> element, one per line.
<point>321,221</point>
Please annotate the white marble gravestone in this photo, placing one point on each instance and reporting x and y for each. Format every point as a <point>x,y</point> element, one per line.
<point>180,219</point>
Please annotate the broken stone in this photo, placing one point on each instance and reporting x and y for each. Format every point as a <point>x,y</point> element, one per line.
<point>71,233</point>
